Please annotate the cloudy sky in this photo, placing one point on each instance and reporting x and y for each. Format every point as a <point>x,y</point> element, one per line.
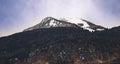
<point>17,15</point>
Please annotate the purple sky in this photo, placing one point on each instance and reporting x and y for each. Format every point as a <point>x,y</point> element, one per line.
<point>17,15</point>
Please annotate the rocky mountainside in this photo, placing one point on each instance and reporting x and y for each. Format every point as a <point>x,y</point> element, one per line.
<point>61,45</point>
<point>66,22</point>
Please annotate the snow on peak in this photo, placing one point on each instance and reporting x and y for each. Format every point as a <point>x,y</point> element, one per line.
<point>66,22</point>
<point>78,22</point>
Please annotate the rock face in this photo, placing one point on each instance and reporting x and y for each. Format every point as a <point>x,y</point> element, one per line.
<point>61,45</point>
<point>49,22</point>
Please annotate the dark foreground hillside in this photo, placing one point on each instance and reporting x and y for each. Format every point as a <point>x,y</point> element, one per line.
<point>61,46</point>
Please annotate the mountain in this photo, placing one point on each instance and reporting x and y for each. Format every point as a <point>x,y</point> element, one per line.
<point>93,26</point>
<point>66,22</point>
<point>49,22</point>
<point>61,45</point>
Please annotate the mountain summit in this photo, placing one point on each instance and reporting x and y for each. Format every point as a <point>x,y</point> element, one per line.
<point>49,22</point>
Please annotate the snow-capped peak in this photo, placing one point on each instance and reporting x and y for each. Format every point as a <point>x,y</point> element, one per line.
<point>84,24</point>
<point>66,22</point>
<point>78,22</point>
<point>75,21</point>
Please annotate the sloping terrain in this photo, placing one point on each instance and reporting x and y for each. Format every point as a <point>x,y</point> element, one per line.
<point>61,45</point>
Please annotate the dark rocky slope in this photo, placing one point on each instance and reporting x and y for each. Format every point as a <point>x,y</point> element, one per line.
<point>65,45</point>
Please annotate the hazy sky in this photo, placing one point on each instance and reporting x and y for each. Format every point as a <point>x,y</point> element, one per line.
<point>17,15</point>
